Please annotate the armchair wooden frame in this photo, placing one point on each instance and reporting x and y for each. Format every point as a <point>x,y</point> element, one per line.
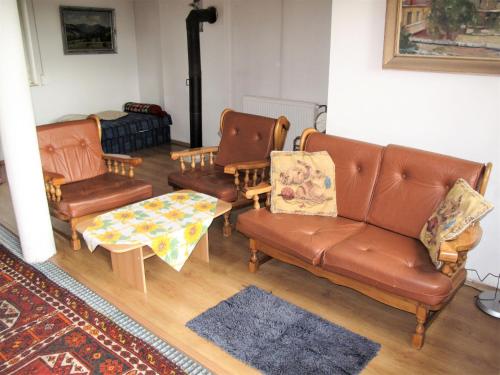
<point>118,164</point>
<point>246,174</point>
<point>452,253</point>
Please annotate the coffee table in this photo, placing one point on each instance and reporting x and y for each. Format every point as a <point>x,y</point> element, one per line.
<point>127,261</point>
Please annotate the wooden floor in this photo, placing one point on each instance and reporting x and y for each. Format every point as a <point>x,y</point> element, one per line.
<point>462,340</point>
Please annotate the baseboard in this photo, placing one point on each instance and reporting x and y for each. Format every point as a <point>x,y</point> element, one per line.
<point>479,285</point>
<point>180,143</point>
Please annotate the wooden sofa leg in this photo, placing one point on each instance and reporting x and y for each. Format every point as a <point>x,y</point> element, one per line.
<point>75,240</point>
<point>418,336</point>
<point>253,264</point>
<point>226,230</point>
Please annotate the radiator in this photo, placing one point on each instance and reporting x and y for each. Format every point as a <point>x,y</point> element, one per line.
<point>300,114</point>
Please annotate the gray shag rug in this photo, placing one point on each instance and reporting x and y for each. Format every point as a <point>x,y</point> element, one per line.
<point>277,337</point>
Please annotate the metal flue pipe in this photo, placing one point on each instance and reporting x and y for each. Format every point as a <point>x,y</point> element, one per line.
<point>193,20</point>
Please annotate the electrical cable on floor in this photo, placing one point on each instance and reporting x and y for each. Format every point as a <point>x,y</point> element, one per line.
<point>488,301</point>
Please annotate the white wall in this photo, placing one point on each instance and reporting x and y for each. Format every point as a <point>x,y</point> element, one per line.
<point>149,56</point>
<point>455,114</point>
<point>84,83</point>
<point>276,48</point>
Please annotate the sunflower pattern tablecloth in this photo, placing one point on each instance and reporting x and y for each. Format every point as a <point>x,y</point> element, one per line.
<point>171,225</point>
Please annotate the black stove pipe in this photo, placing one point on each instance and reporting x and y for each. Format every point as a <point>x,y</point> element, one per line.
<point>193,20</point>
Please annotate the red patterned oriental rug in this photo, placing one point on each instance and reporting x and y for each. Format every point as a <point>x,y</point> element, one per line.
<point>46,329</point>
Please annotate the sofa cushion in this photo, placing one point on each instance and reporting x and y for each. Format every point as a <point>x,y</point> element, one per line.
<point>72,149</point>
<point>389,261</point>
<point>211,181</point>
<point>304,237</point>
<point>356,169</point>
<point>101,193</point>
<point>245,137</point>
<point>411,185</point>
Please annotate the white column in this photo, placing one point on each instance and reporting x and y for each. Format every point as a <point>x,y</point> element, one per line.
<point>19,142</point>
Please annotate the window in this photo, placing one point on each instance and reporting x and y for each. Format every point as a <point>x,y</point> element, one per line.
<point>30,41</point>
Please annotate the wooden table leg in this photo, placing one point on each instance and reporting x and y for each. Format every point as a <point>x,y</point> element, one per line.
<point>129,266</point>
<point>201,249</point>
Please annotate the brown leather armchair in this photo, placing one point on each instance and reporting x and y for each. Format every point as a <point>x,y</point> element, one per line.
<point>82,181</point>
<point>240,161</point>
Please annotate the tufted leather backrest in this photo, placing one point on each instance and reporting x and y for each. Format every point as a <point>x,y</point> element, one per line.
<point>245,137</point>
<point>356,168</point>
<point>72,149</point>
<point>412,183</point>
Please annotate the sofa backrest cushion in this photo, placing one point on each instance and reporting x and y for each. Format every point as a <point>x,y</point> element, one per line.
<point>412,183</point>
<point>71,148</point>
<point>245,137</point>
<point>356,168</point>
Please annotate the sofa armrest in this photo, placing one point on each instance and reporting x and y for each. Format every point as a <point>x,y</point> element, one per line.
<point>255,192</point>
<point>254,173</point>
<point>121,164</point>
<point>53,182</point>
<point>194,154</point>
<point>453,253</point>
<point>247,165</point>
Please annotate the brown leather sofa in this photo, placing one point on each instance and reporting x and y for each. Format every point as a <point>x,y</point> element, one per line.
<point>241,160</point>
<point>80,179</point>
<point>384,197</point>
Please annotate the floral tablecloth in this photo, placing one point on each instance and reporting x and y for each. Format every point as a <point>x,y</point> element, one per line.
<point>171,225</point>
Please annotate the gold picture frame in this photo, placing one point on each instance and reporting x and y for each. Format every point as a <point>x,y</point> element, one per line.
<point>393,59</point>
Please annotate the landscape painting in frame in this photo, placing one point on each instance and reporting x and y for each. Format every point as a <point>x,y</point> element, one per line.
<point>88,30</point>
<point>462,35</point>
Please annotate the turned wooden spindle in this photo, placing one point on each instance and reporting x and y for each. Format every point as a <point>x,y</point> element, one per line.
<point>123,172</point>
<point>58,193</point>
<point>52,192</point>
<point>47,190</point>
<point>237,178</point>
<point>115,165</point>
<point>211,158</point>
<point>247,178</point>
<point>263,175</point>
<point>256,203</point>
<point>131,171</point>
<point>418,336</point>
<point>183,166</point>
<point>108,163</point>
<point>254,179</point>
<point>193,162</point>
<point>202,160</point>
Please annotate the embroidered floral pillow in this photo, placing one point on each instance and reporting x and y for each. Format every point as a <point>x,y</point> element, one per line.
<point>462,207</point>
<point>303,183</point>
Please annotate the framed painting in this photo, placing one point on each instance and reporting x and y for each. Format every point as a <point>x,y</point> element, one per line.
<point>443,35</point>
<point>88,30</point>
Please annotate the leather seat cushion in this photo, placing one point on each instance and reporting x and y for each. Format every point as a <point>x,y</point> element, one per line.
<point>72,149</point>
<point>411,184</point>
<point>304,237</point>
<point>101,193</point>
<point>211,181</point>
<point>357,166</point>
<point>389,261</point>
<point>245,137</point>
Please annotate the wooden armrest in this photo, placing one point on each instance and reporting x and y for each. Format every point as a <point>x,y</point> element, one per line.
<point>467,240</point>
<point>262,188</point>
<point>123,158</point>
<point>193,152</point>
<point>54,178</point>
<point>259,164</point>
